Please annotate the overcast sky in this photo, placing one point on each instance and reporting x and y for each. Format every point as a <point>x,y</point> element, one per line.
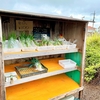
<point>74,8</point>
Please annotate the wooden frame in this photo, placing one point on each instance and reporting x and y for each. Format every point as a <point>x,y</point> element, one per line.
<point>58,25</point>
<point>2,81</point>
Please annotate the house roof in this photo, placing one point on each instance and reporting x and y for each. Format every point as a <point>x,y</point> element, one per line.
<point>38,15</point>
<point>91,28</point>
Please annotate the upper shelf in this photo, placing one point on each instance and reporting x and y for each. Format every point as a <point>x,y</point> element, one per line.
<point>9,56</point>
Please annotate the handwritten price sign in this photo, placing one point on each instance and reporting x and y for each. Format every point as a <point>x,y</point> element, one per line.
<point>24,25</point>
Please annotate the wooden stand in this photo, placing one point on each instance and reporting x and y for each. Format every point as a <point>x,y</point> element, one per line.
<point>57,82</point>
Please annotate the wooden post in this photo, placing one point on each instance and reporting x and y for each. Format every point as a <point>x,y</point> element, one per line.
<point>2,82</point>
<point>83,61</point>
<point>83,55</point>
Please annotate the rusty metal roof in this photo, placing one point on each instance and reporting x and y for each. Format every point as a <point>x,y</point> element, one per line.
<point>39,15</point>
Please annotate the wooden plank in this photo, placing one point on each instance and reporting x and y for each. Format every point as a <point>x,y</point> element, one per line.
<point>53,69</point>
<point>0,30</point>
<point>63,29</point>
<point>5,27</point>
<point>2,82</point>
<point>42,89</point>
<point>75,31</point>
<point>12,24</point>
<point>21,14</point>
<point>32,78</point>
<point>9,56</point>
<point>83,55</point>
<point>56,29</point>
<point>68,93</point>
<point>78,30</point>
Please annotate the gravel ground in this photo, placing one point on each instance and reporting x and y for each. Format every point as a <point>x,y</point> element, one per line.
<point>91,92</point>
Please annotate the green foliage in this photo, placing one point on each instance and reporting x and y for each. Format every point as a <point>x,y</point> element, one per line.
<point>92,56</point>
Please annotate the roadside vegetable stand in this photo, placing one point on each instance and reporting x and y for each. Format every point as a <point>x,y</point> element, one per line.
<point>55,45</point>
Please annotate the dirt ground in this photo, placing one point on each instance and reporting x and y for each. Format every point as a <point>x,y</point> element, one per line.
<point>91,92</point>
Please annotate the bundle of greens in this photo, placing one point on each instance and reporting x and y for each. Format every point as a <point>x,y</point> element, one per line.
<point>29,40</point>
<point>22,39</point>
<point>35,62</point>
<point>43,42</point>
<point>4,42</point>
<point>57,42</point>
<point>36,42</point>
<point>26,40</point>
<point>50,43</point>
<point>12,40</point>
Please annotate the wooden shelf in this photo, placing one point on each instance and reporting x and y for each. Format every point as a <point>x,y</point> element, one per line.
<point>9,56</point>
<point>42,89</point>
<point>53,69</point>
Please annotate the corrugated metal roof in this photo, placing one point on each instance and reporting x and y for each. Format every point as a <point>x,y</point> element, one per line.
<point>20,13</point>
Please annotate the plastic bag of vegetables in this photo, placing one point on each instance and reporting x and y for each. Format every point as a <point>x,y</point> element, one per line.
<point>12,44</point>
<point>26,41</point>
<point>4,42</point>
<point>59,44</point>
<point>45,44</point>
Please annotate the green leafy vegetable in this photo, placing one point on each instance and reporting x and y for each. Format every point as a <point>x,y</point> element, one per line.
<point>57,42</point>
<point>35,62</point>
<point>26,40</point>
<point>11,39</point>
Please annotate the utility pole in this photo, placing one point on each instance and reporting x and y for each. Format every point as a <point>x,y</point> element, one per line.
<point>93,19</point>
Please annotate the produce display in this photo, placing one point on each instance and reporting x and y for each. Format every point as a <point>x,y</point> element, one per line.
<point>26,42</point>
<point>34,68</point>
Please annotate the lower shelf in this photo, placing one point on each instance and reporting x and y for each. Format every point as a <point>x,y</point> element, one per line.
<point>42,89</point>
<point>53,69</point>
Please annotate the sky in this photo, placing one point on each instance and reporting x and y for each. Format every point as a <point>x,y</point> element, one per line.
<point>82,9</point>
